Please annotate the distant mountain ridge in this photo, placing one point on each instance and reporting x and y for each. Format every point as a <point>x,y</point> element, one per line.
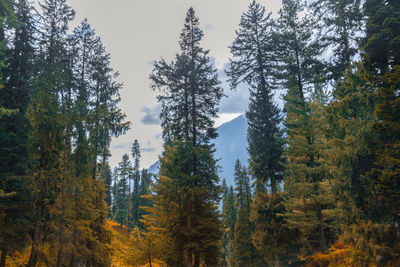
<point>230,145</point>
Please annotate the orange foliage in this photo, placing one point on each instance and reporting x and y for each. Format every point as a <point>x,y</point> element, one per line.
<point>340,255</point>
<point>120,238</point>
<point>119,243</point>
<point>337,255</point>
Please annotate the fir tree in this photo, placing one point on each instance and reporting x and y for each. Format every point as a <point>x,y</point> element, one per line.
<point>193,219</point>
<point>274,240</point>
<point>136,182</point>
<point>341,25</point>
<point>189,89</point>
<point>122,194</point>
<point>190,92</point>
<point>144,189</point>
<point>310,203</point>
<point>251,50</point>
<point>46,113</point>
<point>229,214</point>
<point>243,249</point>
<point>107,185</point>
<point>251,63</point>
<point>297,50</point>
<point>14,131</point>
<point>381,43</point>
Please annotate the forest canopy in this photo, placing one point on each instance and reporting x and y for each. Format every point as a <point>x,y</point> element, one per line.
<point>322,184</point>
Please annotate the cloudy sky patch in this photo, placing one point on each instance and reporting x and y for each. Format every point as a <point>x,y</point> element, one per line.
<point>136,33</point>
<point>151,115</point>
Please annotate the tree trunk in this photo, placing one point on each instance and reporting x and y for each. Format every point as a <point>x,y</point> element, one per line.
<point>3,257</point>
<point>273,186</point>
<point>321,233</point>
<point>60,253</point>
<point>89,262</point>
<point>150,261</point>
<point>36,236</point>
<point>196,260</point>
<point>189,256</point>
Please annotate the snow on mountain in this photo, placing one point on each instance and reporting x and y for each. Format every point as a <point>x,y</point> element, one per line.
<point>230,145</point>
<point>155,167</point>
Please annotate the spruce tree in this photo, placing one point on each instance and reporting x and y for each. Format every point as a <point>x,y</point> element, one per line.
<point>108,186</point>
<point>251,49</point>
<point>229,214</point>
<point>275,241</point>
<point>381,43</point>
<point>189,89</point>
<point>340,25</point>
<point>199,229</point>
<point>144,189</point>
<point>122,194</point>
<point>296,49</point>
<point>190,92</point>
<point>15,88</point>
<point>251,63</point>
<point>306,177</point>
<point>136,183</point>
<point>46,114</point>
<point>243,249</point>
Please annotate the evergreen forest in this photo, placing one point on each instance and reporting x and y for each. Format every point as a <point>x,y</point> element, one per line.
<point>322,184</point>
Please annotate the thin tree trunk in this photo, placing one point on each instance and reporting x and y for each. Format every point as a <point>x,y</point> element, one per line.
<point>273,186</point>
<point>149,261</point>
<point>89,262</point>
<point>36,235</point>
<point>321,232</point>
<point>196,260</point>
<point>3,257</point>
<point>188,256</point>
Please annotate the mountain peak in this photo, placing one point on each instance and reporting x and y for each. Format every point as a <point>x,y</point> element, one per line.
<point>230,145</point>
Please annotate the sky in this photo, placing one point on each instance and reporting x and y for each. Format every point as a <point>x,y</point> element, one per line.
<point>138,32</point>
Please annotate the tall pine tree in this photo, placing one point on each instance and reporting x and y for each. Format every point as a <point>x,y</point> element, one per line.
<point>190,92</point>
<point>15,89</point>
<point>243,249</point>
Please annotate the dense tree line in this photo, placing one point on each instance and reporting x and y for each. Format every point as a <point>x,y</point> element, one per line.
<point>59,112</point>
<point>184,210</point>
<point>337,62</point>
<point>323,178</point>
<point>129,184</point>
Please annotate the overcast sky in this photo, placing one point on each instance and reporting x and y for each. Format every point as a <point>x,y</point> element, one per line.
<point>137,32</point>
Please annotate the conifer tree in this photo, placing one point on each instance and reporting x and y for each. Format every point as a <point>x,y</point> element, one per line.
<point>274,240</point>
<point>381,45</point>
<point>229,214</point>
<point>144,189</point>
<point>341,23</point>
<point>382,32</point>
<point>349,122</point>
<point>190,92</point>
<point>104,109</point>
<point>122,200</point>
<point>385,175</point>
<point>46,113</point>
<point>134,201</point>
<point>297,51</point>
<point>244,251</point>
<point>252,58</point>
<point>193,198</point>
<point>189,88</point>
<point>114,191</point>
<point>15,88</point>
<point>107,185</point>
<point>144,248</point>
<point>251,49</point>
<point>310,202</point>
